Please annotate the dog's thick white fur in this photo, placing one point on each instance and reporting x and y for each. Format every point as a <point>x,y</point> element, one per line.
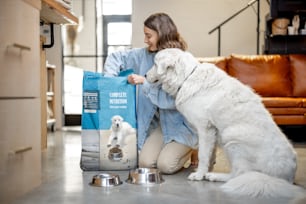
<point>225,111</point>
<point>119,130</point>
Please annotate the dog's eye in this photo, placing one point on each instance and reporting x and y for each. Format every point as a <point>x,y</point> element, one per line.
<point>170,66</point>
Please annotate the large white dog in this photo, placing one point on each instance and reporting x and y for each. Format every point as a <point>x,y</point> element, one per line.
<point>119,130</point>
<point>224,111</point>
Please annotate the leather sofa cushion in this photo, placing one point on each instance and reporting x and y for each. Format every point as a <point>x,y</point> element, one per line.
<point>220,62</point>
<point>268,75</point>
<point>290,119</point>
<point>298,74</point>
<point>284,102</point>
<point>287,111</point>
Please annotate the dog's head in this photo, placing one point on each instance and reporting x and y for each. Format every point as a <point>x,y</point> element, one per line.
<point>171,67</point>
<point>116,121</point>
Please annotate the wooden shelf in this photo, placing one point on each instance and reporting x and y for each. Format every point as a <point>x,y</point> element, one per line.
<point>288,44</point>
<point>50,102</point>
<point>285,44</point>
<point>54,12</point>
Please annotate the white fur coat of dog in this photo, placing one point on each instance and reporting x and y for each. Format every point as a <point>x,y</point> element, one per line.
<point>225,111</point>
<point>119,130</point>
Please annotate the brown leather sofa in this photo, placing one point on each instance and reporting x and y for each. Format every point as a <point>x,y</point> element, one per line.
<point>279,79</point>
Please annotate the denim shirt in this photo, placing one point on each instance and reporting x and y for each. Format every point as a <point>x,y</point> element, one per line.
<point>150,96</point>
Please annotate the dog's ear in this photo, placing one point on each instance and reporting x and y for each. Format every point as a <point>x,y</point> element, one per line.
<point>165,60</point>
<point>163,67</point>
<point>159,70</point>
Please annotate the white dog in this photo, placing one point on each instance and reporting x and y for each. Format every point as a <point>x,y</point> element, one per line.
<point>119,130</point>
<point>224,111</point>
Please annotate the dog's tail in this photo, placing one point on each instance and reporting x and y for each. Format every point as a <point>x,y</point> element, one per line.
<point>256,184</point>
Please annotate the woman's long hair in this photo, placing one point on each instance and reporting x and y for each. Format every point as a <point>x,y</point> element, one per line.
<point>168,36</point>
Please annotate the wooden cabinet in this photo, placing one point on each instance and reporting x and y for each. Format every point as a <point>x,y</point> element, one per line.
<point>20,155</point>
<point>23,107</point>
<point>285,43</point>
<point>20,133</point>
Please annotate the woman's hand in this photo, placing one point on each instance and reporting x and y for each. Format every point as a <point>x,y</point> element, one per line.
<point>135,79</point>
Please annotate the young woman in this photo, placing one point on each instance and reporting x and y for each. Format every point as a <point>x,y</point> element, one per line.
<point>165,139</point>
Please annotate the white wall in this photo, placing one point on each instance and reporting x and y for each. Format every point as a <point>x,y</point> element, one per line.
<point>195,18</point>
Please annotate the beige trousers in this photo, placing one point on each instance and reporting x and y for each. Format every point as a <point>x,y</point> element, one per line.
<point>168,158</point>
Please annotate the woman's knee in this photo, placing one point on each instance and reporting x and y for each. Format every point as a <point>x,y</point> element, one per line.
<point>146,162</point>
<point>171,165</point>
<point>167,168</point>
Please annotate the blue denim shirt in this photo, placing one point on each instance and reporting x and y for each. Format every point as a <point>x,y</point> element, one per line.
<point>150,96</point>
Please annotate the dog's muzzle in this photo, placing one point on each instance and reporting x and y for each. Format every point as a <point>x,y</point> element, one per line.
<point>153,81</point>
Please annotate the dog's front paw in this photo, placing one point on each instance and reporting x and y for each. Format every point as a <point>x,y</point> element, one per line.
<point>211,177</point>
<point>223,177</point>
<point>196,176</point>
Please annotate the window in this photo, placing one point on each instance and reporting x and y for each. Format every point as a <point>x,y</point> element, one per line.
<point>117,26</point>
<point>117,32</point>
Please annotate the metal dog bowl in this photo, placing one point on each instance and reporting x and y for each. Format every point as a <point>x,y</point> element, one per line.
<point>115,154</point>
<point>106,180</point>
<point>145,176</point>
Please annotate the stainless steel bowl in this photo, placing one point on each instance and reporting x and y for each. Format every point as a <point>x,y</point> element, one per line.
<point>106,180</point>
<point>145,176</point>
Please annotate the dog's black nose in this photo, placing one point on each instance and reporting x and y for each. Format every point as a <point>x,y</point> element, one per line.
<point>145,76</point>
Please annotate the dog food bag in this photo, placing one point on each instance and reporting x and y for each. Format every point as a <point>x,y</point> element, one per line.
<point>108,123</point>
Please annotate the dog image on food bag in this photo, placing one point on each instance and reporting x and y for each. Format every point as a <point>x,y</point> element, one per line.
<point>226,112</point>
<point>119,131</point>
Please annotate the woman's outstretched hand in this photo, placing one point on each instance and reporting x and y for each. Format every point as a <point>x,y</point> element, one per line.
<point>136,79</point>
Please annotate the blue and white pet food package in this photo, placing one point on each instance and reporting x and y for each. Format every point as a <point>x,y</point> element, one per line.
<point>109,139</point>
